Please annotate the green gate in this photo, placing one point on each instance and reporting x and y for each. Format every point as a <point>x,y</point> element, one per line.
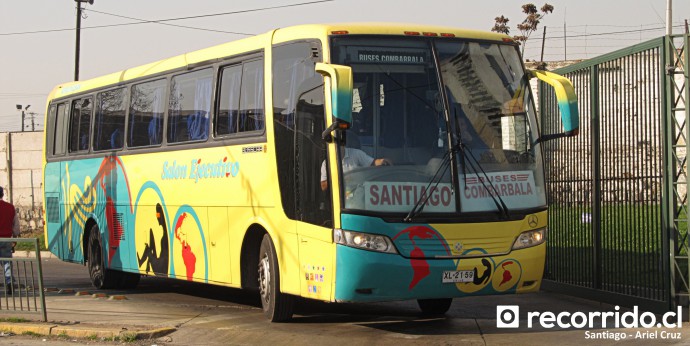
<point>618,192</point>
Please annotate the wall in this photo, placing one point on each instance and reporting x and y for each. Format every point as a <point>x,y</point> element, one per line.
<point>20,175</point>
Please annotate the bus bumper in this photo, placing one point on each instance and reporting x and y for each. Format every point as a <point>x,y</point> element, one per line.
<point>366,276</point>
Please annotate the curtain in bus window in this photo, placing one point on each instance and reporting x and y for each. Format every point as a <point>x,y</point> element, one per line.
<point>189,106</point>
<point>146,114</point>
<point>229,105</point>
<point>251,117</point>
<point>155,127</point>
<point>197,123</point>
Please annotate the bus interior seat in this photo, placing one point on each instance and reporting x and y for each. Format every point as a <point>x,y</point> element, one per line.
<point>418,155</point>
<point>393,154</point>
<point>116,139</point>
<point>197,126</point>
<point>154,131</point>
<point>433,165</point>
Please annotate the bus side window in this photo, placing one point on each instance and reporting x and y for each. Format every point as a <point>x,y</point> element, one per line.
<point>147,106</point>
<point>109,125</point>
<point>189,106</point>
<point>61,126</point>
<point>229,100</point>
<point>251,117</point>
<point>50,130</point>
<point>80,125</point>
<point>241,99</point>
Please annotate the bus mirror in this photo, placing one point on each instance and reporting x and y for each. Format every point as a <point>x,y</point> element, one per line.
<point>567,103</point>
<point>341,89</point>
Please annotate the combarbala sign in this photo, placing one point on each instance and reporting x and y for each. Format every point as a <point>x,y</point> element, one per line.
<point>515,188</point>
<point>402,196</point>
<point>391,57</point>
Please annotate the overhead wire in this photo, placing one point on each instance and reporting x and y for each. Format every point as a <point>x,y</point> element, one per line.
<point>163,21</point>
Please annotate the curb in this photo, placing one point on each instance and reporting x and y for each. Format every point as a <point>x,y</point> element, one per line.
<point>83,331</point>
<point>32,254</point>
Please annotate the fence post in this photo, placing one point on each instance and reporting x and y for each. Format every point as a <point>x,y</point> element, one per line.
<point>596,176</point>
<point>40,280</point>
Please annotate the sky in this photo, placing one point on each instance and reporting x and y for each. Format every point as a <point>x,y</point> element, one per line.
<point>37,37</point>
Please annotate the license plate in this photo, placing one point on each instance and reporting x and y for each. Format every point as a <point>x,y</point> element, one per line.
<point>453,276</point>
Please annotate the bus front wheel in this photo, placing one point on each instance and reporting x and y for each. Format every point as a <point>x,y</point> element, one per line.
<point>277,306</point>
<point>434,306</point>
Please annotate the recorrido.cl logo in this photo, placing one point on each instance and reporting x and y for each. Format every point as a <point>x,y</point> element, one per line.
<point>508,316</point>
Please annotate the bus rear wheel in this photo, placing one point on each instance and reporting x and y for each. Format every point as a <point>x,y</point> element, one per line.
<point>101,278</point>
<point>434,306</point>
<point>277,306</point>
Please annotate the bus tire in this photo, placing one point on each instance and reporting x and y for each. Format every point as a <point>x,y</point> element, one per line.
<point>277,306</point>
<point>434,306</point>
<point>101,278</point>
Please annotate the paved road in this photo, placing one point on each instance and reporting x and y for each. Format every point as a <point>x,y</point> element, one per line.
<point>212,315</point>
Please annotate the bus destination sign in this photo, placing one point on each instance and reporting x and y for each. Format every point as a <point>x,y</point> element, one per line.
<point>390,57</point>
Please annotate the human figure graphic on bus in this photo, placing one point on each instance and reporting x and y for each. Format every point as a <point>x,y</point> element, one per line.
<point>158,262</point>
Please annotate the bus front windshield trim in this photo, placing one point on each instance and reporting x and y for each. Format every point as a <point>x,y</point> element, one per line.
<point>393,157</point>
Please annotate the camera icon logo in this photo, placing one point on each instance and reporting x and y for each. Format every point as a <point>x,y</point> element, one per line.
<point>507,316</point>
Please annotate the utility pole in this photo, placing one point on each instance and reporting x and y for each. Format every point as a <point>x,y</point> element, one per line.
<point>543,43</point>
<point>669,17</point>
<point>565,36</point>
<point>21,108</point>
<point>76,52</point>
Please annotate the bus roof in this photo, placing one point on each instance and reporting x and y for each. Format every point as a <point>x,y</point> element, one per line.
<point>263,40</point>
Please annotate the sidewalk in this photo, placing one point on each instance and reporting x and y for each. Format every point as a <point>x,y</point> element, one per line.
<point>81,314</point>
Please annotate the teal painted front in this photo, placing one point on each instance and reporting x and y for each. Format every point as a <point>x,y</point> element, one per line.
<point>363,275</point>
<point>386,276</point>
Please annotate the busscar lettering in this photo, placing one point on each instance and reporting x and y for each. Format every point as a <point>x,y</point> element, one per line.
<point>254,149</point>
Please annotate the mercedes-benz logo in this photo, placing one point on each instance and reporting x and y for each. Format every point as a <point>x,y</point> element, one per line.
<point>533,221</point>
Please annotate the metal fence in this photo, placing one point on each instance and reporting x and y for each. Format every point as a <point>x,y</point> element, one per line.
<point>618,191</point>
<point>22,281</point>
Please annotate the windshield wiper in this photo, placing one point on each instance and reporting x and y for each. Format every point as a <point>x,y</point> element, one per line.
<point>435,180</point>
<point>468,157</point>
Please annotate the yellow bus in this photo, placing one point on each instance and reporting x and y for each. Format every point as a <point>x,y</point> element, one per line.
<point>342,163</point>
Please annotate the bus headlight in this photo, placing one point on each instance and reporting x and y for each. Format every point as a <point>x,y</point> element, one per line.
<point>365,241</point>
<point>530,238</point>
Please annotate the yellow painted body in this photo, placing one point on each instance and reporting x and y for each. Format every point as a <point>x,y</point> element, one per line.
<point>208,217</point>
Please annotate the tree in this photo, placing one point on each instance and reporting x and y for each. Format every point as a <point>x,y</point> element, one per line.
<point>528,25</point>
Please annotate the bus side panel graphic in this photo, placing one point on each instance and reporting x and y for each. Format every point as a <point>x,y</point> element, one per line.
<point>158,241</point>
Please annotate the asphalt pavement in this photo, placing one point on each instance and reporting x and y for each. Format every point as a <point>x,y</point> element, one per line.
<point>165,312</point>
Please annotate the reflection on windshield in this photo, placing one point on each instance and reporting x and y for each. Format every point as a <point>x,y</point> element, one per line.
<point>486,90</point>
<point>400,116</point>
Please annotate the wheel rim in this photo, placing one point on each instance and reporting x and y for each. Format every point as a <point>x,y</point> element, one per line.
<point>265,279</point>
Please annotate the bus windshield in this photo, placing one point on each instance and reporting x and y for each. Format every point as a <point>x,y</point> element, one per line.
<point>439,127</point>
